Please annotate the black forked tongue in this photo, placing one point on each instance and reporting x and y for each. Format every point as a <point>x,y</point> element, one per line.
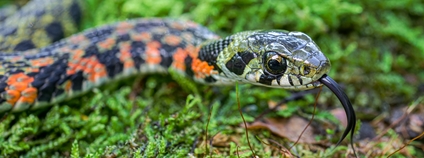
<point>350,112</point>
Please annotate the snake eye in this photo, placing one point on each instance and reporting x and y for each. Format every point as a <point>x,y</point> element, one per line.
<point>274,63</point>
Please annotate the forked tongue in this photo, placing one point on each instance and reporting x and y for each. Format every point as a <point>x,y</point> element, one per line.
<point>350,112</point>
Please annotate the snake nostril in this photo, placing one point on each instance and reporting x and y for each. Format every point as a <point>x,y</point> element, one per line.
<point>324,68</point>
<point>325,63</point>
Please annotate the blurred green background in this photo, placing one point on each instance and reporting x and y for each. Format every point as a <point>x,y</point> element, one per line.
<point>376,49</point>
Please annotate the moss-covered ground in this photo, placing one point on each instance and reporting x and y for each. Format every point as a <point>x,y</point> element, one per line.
<point>376,50</point>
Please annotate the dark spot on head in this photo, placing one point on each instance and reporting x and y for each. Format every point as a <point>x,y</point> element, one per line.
<point>247,56</point>
<point>24,45</point>
<point>55,31</point>
<point>236,65</point>
<point>75,13</point>
<point>266,79</point>
<point>238,62</point>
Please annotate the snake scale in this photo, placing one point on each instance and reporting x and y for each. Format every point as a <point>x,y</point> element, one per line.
<point>38,68</point>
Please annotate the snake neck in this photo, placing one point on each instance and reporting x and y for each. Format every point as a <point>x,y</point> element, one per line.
<point>208,54</point>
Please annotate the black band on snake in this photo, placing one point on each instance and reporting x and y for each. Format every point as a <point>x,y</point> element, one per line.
<point>32,77</point>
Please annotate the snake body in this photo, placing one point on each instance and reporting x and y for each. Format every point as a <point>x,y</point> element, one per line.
<point>42,76</point>
<point>35,73</point>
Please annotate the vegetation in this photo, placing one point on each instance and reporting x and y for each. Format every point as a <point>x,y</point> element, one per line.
<point>376,49</point>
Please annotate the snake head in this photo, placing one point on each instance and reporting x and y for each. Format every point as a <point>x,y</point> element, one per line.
<point>275,58</point>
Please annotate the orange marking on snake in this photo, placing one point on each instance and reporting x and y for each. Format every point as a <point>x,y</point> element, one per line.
<point>13,78</point>
<point>78,53</point>
<point>125,46</point>
<point>34,70</point>
<point>172,40</point>
<point>65,49</point>
<point>98,71</point>
<point>18,81</point>
<point>71,65</point>
<point>83,61</point>
<point>29,95</point>
<point>125,55</point>
<point>129,64</point>
<point>193,51</point>
<point>124,27</point>
<point>17,58</point>
<point>179,56</point>
<point>88,70</point>
<point>187,36</point>
<point>144,36</point>
<point>89,65</point>
<point>68,86</point>
<point>80,64</point>
<point>42,62</point>
<point>70,72</point>
<point>30,69</point>
<point>177,26</point>
<point>79,68</point>
<point>99,66</point>
<point>19,86</point>
<point>25,79</point>
<point>191,24</point>
<point>153,53</point>
<point>71,68</point>
<point>107,44</point>
<point>20,89</point>
<point>12,96</point>
<point>77,39</point>
<point>92,77</point>
<point>202,69</point>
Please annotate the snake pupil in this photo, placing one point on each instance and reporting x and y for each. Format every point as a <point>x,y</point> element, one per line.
<point>275,64</point>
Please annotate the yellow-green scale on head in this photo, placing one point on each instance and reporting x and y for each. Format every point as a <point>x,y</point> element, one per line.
<point>238,44</point>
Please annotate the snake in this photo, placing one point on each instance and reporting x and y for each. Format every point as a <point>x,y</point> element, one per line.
<point>39,67</point>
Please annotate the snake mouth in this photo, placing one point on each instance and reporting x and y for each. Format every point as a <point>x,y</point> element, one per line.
<point>347,105</point>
